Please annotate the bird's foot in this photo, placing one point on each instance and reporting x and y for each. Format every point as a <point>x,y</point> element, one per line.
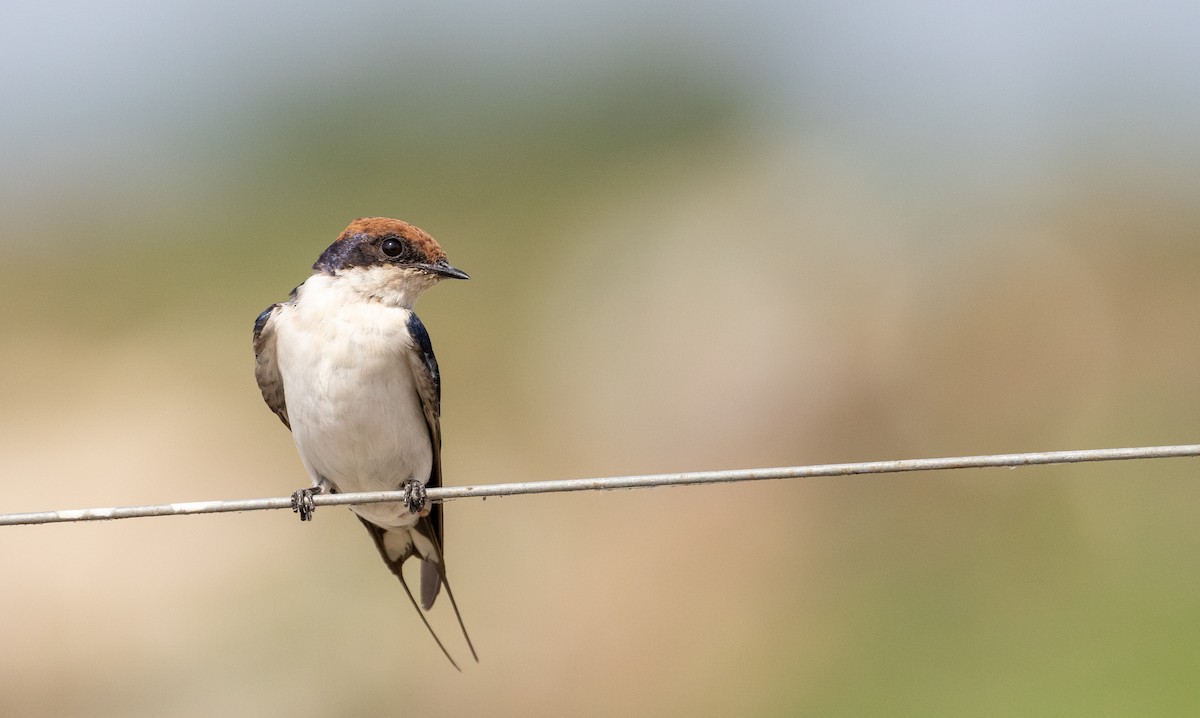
<point>302,502</point>
<point>414,497</point>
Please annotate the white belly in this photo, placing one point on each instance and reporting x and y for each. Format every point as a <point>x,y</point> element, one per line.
<point>355,413</point>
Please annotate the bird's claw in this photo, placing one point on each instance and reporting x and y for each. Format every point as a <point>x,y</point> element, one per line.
<point>414,497</point>
<point>302,503</point>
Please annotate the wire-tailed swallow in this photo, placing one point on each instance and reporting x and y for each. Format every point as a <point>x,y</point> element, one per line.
<point>349,368</point>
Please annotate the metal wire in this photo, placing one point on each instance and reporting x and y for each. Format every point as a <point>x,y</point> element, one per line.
<point>450,493</point>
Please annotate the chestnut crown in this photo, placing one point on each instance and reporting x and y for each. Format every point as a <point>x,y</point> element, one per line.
<point>380,241</point>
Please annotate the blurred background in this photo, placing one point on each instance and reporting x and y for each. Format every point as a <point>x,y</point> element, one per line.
<point>701,236</point>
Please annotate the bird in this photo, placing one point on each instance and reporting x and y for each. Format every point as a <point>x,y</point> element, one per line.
<point>349,368</point>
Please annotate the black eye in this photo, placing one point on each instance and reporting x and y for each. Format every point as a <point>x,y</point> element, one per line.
<point>392,247</point>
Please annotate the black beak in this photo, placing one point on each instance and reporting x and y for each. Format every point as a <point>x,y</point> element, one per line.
<point>443,269</point>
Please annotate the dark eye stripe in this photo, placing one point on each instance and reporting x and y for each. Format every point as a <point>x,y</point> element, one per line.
<point>363,250</point>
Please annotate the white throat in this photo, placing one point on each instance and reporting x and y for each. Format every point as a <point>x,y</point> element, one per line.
<point>389,285</point>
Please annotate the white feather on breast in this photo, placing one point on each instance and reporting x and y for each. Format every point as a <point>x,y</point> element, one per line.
<point>355,413</point>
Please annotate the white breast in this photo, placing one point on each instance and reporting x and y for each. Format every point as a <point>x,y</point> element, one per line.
<point>355,413</point>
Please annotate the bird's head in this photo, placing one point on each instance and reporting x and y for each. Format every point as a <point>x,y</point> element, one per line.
<point>387,260</point>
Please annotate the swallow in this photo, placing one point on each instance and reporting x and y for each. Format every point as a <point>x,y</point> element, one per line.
<point>349,368</point>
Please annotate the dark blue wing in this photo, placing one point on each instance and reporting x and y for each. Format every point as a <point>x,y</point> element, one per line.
<point>429,387</point>
<point>429,382</point>
<point>266,368</point>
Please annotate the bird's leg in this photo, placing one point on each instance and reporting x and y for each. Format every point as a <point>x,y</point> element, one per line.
<point>302,499</point>
<point>414,497</point>
<point>302,502</point>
